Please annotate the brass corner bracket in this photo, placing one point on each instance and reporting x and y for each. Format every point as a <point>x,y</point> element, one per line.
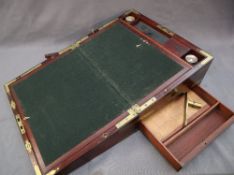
<point>207,59</point>
<point>37,170</point>
<point>6,86</point>
<point>52,172</point>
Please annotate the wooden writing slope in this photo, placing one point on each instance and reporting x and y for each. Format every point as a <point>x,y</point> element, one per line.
<point>132,73</point>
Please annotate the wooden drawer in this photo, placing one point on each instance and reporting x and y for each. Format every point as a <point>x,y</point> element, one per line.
<point>179,139</point>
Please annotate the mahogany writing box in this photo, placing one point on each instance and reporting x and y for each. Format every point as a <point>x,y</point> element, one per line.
<point>131,73</point>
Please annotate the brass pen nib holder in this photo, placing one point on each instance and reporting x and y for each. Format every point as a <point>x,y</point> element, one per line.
<point>183,91</point>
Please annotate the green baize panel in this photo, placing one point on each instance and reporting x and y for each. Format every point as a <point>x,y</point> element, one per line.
<point>81,92</point>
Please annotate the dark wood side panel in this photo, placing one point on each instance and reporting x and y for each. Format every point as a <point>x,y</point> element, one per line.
<point>102,147</point>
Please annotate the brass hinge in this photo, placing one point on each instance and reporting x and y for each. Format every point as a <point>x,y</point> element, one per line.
<point>134,111</point>
<point>145,105</point>
<point>207,59</point>
<point>131,115</point>
<point>20,124</point>
<point>52,172</point>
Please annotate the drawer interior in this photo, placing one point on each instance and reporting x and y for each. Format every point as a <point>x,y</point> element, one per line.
<point>167,116</point>
<point>179,136</point>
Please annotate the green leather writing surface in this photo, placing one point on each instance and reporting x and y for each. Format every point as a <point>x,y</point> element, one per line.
<point>78,94</point>
<point>66,102</point>
<point>133,67</point>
